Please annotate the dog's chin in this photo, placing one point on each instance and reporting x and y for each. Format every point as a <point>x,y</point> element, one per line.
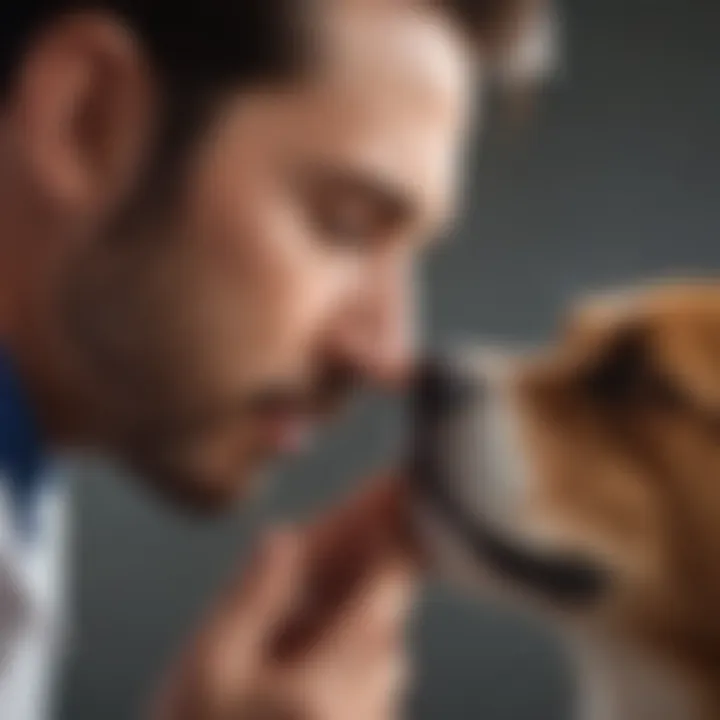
<point>468,550</point>
<point>470,475</point>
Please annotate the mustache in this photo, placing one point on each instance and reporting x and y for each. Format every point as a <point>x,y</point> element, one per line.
<point>326,395</point>
<point>330,390</point>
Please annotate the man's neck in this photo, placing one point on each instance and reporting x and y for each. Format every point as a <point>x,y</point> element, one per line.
<point>29,329</point>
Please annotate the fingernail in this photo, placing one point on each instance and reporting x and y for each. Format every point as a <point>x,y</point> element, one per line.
<point>280,542</point>
<point>394,595</point>
<point>273,545</point>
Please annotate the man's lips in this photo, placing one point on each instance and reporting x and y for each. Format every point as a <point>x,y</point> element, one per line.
<point>286,431</point>
<point>287,421</point>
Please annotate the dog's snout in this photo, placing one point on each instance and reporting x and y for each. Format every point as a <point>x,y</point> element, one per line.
<point>441,389</point>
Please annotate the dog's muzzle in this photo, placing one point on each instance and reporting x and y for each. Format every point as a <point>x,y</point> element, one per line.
<point>443,392</point>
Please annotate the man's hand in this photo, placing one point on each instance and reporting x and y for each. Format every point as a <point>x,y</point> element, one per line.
<point>312,631</point>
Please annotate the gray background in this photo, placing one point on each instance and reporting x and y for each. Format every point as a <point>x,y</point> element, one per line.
<point>615,180</point>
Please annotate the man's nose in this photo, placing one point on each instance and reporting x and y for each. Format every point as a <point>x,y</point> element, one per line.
<point>379,341</point>
<point>384,358</point>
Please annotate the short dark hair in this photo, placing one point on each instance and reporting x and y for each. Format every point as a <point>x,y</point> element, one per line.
<point>188,42</point>
<point>200,48</point>
<point>208,42</point>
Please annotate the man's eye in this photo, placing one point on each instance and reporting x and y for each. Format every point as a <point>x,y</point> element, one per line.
<point>347,232</point>
<point>347,224</point>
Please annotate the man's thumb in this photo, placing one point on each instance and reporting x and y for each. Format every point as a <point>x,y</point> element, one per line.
<point>269,590</point>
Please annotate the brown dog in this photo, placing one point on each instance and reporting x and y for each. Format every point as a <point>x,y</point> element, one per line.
<point>587,478</point>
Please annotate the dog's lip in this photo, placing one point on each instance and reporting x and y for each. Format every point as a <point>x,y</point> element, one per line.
<point>567,579</point>
<point>562,577</point>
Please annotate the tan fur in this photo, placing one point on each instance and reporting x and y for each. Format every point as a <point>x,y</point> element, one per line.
<point>635,479</point>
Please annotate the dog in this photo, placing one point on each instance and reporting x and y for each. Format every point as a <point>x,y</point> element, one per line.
<point>583,480</point>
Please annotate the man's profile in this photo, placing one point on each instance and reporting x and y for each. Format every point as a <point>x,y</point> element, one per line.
<point>209,217</point>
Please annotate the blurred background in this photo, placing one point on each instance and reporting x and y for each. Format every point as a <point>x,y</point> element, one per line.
<point>615,180</point>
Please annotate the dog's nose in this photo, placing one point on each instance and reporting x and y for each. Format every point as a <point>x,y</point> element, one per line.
<point>441,389</point>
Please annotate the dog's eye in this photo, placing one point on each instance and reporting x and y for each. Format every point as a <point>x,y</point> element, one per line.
<point>621,373</point>
<point>627,374</point>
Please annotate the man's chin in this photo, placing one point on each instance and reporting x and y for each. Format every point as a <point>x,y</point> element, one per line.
<point>198,493</point>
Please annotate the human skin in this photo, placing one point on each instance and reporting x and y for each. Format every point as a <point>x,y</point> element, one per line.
<point>203,335</point>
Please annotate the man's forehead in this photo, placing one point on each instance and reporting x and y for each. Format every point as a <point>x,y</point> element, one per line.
<point>395,41</point>
<point>390,104</point>
<point>411,81</point>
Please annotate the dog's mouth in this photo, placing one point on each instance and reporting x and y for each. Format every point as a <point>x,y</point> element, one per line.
<point>565,579</point>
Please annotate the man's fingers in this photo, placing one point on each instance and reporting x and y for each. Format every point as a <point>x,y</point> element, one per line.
<point>226,657</point>
<point>373,620</point>
<point>354,540</point>
<point>377,512</point>
<point>268,591</point>
<point>345,551</point>
<point>388,682</point>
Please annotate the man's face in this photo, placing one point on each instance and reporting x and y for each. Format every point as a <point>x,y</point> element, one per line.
<point>282,274</point>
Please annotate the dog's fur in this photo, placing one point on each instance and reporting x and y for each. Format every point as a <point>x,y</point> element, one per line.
<point>604,447</point>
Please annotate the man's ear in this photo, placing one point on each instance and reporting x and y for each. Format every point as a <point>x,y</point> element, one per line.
<point>83,106</point>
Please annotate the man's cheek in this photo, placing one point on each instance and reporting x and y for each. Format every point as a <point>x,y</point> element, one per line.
<point>305,310</point>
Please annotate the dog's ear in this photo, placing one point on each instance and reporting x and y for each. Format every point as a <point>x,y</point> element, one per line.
<point>687,343</point>
<point>673,329</point>
<point>602,331</point>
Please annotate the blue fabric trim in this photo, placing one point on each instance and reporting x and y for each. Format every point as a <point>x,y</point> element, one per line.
<point>21,447</point>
